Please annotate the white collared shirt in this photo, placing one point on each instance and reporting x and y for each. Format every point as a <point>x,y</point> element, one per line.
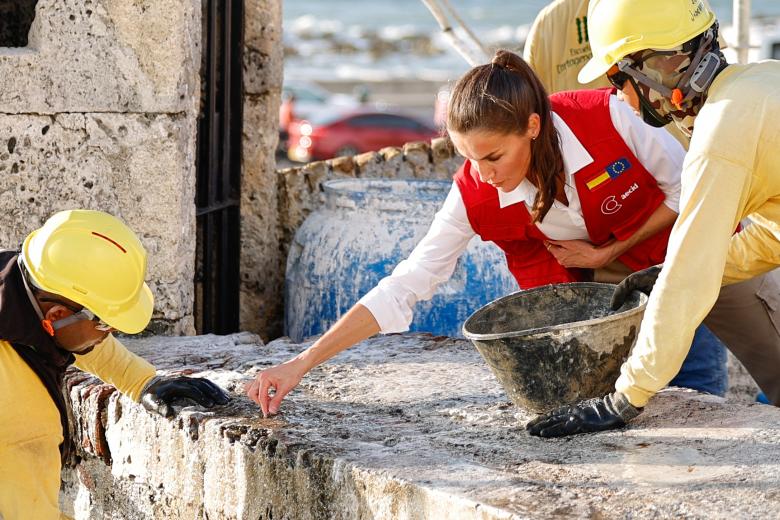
<point>433,260</point>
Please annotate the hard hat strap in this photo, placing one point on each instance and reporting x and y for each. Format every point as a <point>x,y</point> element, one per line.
<point>627,65</point>
<point>650,115</point>
<point>704,66</point>
<point>27,282</point>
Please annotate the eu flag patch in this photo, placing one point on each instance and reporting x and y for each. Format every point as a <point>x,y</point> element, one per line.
<point>612,171</point>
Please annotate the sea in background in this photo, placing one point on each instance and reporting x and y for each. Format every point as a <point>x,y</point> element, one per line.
<point>356,41</point>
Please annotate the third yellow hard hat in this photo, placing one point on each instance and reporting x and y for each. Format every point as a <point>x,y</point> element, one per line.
<point>95,260</point>
<point>618,28</point>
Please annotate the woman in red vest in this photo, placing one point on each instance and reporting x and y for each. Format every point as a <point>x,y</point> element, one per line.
<point>566,198</point>
<point>572,187</point>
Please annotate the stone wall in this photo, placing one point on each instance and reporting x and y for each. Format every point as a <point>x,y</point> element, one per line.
<point>99,111</point>
<point>262,263</point>
<point>403,427</point>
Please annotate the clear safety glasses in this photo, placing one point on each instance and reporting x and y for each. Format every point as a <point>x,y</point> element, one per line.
<point>83,314</point>
<point>627,68</point>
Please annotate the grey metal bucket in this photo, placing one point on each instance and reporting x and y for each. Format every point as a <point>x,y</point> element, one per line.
<point>557,344</point>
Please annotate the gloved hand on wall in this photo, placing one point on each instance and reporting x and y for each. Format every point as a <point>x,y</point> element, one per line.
<point>161,392</point>
<point>643,280</point>
<point>592,415</point>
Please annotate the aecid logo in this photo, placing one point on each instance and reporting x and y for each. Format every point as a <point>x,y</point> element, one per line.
<point>629,191</point>
<point>610,205</point>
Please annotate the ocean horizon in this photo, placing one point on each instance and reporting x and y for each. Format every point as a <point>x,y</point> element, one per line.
<point>348,40</point>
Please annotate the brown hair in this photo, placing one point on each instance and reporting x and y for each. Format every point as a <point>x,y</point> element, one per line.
<point>499,97</point>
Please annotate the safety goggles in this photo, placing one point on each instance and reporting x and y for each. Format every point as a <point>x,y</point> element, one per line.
<point>628,67</point>
<point>83,314</point>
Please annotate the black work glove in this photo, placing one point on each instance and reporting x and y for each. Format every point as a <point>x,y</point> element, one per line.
<point>643,280</point>
<point>161,392</point>
<point>593,415</point>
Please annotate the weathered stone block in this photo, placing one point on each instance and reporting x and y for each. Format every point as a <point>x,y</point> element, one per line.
<point>441,149</point>
<point>137,167</point>
<point>264,209</point>
<point>262,263</point>
<point>445,159</point>
<point>343,167</point>
<point>107,56</point>
<point>315,174</point>
<point>300,193</point>
<point>408,427</point>
<point>393,159</point>
<point>262,47</point>
<point>418,157</point>
<point>370,164</point>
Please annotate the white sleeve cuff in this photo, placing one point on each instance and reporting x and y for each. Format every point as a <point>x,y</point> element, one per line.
<point>389,314</point>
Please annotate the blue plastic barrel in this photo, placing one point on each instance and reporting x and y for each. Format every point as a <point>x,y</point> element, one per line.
<point>362,231</point>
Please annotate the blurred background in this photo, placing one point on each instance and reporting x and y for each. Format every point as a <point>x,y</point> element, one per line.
<point>347,62</point>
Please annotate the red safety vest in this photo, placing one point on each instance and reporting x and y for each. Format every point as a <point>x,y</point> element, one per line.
<point>616,192</point>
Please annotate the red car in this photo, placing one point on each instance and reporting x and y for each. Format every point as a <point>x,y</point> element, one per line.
<point>353,132</point>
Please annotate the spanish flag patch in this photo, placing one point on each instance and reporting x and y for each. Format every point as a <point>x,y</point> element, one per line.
<point>613,171</point>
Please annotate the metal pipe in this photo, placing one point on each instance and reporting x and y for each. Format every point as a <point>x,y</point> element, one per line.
<point>473,54</point>
<point>477,43</point>
<point>742,28</point>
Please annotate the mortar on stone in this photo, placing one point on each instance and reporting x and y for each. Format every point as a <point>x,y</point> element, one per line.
<point>558,344</point>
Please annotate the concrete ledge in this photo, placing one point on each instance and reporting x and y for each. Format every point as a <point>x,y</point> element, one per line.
<point>404,426</point>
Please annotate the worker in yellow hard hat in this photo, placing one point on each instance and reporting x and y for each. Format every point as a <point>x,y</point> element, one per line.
<point>557,47</point>
<point>664,57</point>
<point>75,280</point>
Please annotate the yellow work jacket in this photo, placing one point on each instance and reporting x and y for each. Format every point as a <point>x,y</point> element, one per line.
<point>732,171</point>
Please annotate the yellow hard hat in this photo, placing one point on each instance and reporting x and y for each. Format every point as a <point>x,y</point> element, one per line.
<point>618,28</point>
<point>95,260</point>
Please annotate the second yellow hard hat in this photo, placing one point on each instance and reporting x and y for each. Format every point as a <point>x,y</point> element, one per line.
<point>618,28</point>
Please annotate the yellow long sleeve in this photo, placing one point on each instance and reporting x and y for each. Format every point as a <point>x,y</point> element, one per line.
<point>754,251</point>
<point>117,366</point>
<point>730,172</point>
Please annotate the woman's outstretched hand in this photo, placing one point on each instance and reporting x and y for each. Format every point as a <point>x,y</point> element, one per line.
<point>580,253</point>
<point>282,378</point>
<point>356,325</point>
